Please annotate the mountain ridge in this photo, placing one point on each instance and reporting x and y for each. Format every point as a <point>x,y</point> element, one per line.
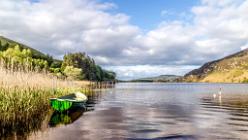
<point>230,69</point>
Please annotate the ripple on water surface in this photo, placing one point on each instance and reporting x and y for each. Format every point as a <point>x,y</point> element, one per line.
<point>157,111</point>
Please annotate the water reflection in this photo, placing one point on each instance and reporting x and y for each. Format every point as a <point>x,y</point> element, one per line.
<point>69,116</point>
<point>229,112</point>
<point>64,118</point>
<point>156,111</point>
<point>28,124</point>
<point>22,126</point>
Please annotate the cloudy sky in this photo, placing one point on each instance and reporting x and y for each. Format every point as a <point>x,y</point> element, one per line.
<point>134,38</point>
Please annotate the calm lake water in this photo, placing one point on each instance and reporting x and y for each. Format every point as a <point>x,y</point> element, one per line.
<point>154,111</point>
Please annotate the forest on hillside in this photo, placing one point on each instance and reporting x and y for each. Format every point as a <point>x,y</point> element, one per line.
<point>77,66</point>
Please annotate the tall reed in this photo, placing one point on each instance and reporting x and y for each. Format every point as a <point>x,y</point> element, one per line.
<point>25,89</point>
<point>26,94</point>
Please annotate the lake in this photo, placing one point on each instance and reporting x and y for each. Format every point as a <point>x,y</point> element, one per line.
<point>153,111</point>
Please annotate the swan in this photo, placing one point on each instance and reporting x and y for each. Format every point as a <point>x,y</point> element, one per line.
<point>220,92</point>
<point>214,95</point>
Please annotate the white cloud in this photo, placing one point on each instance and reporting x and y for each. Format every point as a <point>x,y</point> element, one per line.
<point>58,27</point>
<point>218,28</point>
<point>244,47</point>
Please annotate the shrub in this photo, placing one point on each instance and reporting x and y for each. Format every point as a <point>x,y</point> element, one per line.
<point>73,73</point>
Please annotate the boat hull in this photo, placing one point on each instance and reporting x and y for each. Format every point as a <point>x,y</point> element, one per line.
<point>68,101</point>
<point>63,105</point>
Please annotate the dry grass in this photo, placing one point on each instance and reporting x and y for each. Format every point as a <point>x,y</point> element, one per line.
<point>9,79</point>
<point>24,96</point>
<point>231,69</point>
<point>231,76</point>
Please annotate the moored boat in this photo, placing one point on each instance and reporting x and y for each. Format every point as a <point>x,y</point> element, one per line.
<point>64,103</point>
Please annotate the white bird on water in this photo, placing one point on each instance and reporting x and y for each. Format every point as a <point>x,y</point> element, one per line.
<point>214,95</point>
<point>220,92</point>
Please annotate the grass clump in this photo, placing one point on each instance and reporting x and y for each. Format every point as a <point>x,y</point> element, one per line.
<point>24,98</point>
<point>27,92</point>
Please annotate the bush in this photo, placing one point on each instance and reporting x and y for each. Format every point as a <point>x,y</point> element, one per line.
<point>73,73</point>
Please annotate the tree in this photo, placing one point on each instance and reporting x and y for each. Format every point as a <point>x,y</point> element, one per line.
<point>73,73</point>
<point>56,64</point>
<point>90,70</point>
<point>3,46</point>
<point>99,73</point>
<point>74,59</point>
<point>80,60</point>
<point>109,75</point>
<point>15,59</point>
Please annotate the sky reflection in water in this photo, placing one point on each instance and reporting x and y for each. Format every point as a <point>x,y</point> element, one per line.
<point>153,111</point>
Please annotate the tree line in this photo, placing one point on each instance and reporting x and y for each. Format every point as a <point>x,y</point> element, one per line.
<point>78,66</point>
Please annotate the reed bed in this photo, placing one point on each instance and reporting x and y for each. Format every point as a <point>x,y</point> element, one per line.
<point>25,95</point>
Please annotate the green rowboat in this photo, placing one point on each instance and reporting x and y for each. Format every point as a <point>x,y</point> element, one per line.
<point>69,101</point>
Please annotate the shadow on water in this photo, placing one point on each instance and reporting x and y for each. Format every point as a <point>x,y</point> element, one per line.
<point>172,137</point>
<point>67,117</point>
<point>22,125</point>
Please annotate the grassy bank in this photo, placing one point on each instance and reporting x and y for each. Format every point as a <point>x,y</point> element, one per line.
<point>28,78</point>
<point>25,95</point>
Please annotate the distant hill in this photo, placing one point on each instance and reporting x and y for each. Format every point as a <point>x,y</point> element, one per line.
<point>230,69</point>
<point>161,78</point>
<point>5,43</point>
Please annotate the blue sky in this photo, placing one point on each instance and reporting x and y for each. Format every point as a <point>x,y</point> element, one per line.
<point>134,38</point>
<point>147,14</point>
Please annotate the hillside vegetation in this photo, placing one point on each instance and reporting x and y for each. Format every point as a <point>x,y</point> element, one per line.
<point>6,43</point>
<point>230,69</point>
<point>78,66</point>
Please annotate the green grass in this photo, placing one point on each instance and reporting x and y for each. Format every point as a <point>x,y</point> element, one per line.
<point>24,99</point>
<point>16,102</point>
<point>24,110</point>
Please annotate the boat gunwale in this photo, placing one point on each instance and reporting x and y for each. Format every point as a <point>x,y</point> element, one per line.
<point>70,100</point>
